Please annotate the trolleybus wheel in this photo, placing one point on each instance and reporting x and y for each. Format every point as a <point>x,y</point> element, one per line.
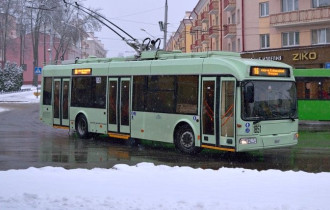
<point>82,127</point>
<point>185,140</point>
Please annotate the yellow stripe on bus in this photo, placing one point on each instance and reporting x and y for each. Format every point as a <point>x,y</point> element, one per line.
<point>218,148</point>
<point>61,127</point>
<point>119,136</point>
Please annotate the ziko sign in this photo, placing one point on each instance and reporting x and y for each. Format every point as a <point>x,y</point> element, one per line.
<point>305,56</point>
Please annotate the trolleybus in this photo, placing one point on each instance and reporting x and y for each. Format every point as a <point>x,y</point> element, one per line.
<point>313,92</point>
<point>214,100</point>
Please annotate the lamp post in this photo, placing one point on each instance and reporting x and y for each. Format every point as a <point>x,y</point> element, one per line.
<point>165,25</point>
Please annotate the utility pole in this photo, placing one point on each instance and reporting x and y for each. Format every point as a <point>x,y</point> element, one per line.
<point>165,25</point>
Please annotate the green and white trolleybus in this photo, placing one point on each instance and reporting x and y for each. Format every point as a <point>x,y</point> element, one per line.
<point>214,100</point>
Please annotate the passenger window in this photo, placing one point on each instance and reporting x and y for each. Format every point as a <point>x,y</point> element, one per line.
<point>47,93</point>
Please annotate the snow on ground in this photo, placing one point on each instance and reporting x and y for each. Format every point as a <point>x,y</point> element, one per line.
<point>20,97</point>
<point>146,186</point>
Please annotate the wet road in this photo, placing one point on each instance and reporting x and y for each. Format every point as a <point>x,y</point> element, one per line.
<point>25,142</point>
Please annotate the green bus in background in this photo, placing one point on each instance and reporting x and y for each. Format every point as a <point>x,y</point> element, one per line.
<point>214,100</point>
<point>313,92</point>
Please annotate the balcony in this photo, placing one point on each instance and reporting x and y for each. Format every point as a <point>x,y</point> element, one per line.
<point>205,17</point>
<point>205,38</point>
<point>192,31</point>
<point>214,7</point>
<point>197,25</point>
<point>182,36</point>
<point>229,30</point>
<point>302,17</point>
<point>214,31</point>
<point>229,5</point>
<point>198,43</point>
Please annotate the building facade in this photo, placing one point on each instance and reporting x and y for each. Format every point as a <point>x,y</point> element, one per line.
<point>89,45</point>
<point>296,32</point>
<point>92,46</point>
<point>181,39</point>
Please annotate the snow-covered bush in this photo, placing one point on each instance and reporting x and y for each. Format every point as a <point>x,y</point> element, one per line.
<point>11,77</point>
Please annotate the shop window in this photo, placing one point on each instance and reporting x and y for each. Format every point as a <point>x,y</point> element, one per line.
<point>313,88</point>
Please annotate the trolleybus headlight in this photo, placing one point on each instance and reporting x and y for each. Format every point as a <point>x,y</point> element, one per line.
<point>248,141</point>
<point>296,136</point>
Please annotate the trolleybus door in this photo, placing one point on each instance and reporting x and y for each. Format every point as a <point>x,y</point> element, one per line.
<point>61,102</point>
<point>119,103</point>
<point>208,110</point>
<point>227,111</point>
<point>113,105</point>
<point>124,105</point>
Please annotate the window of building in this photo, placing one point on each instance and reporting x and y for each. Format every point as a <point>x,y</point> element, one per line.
<point>290,39</point>
<point>320,3</point>
<point>238,21</point>
<point>264,41</point>
<point>233,18</point>
<point>321,36</point>
<point>264,9</point>
<point>233,46</point>
<point>289,5</point>
<point>313,88</point>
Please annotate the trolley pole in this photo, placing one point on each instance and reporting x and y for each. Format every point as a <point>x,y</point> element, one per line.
<point>165,25</point>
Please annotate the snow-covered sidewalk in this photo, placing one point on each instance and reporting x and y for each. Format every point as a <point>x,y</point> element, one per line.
<point>21,97</point>
<point>146,186</point>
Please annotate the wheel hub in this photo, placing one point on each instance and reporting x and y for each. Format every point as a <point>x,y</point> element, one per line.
<point>187,139</point>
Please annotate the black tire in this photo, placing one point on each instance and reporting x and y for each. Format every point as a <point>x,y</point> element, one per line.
<point>185,140</point>
<point>82,127</point>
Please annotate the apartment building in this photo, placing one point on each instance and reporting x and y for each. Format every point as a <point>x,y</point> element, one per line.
<point>92,46</point>
<point>181,39</point>
<point>296,32</point>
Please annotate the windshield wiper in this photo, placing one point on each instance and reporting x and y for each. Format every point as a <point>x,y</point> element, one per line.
<point>292,114</point>
<point>259,120</point>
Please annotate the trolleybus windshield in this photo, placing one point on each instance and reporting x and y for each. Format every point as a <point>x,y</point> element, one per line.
<point>268,100</point>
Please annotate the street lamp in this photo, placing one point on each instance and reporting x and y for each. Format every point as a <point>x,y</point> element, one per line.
<point>147,33</point>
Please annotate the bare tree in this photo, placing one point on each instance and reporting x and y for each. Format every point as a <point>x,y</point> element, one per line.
<point>66,24</point>
<point>71,25</point>
<point>7,25</point>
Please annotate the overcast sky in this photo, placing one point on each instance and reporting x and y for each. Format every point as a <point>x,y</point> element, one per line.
<point>134,15</point>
